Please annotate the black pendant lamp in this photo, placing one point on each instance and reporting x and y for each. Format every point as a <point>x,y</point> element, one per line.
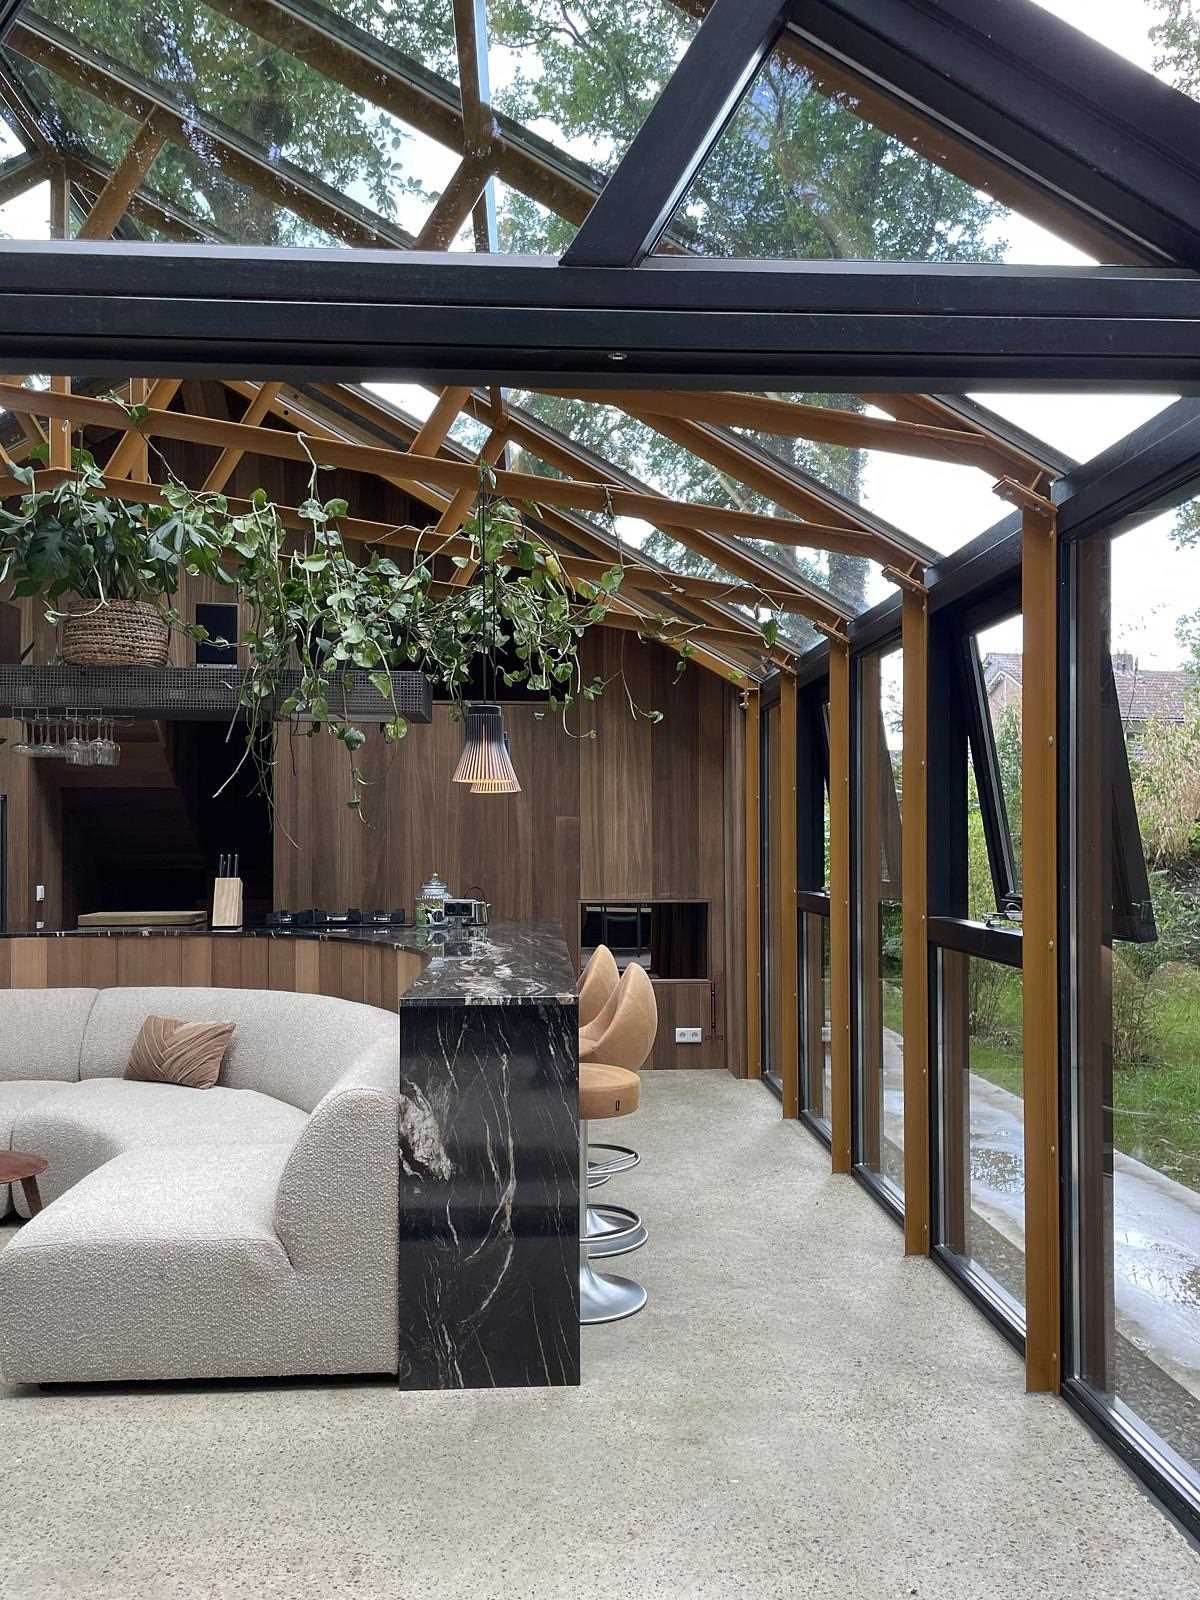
<point>485,764</point>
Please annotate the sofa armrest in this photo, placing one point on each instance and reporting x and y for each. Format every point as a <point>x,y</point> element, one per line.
<point>337,1200</point>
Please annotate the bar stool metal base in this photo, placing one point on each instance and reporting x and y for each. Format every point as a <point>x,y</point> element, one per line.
<point>614,1231</point>
<point>617,1158</point>
<point>603,1297</point>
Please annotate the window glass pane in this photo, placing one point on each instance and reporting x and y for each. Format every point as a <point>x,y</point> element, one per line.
<point>983,1121</point>
<point>880,1034</point>
<point>420,29</point>
<point>1002,659</point>
<point>815,1036</point>
<point>817,165</point>
<point>1136,1097</point>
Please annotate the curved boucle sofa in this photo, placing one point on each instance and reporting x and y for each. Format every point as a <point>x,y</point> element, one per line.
<point>246,1230</point>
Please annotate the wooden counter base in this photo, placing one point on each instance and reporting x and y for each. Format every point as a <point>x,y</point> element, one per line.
<point>375,974</point>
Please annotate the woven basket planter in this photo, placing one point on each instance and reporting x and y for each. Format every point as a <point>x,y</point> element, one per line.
<point>122,633</point>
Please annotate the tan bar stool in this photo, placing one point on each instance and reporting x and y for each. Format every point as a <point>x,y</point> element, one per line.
<point>597,984</point>
<point>623,1036</point>
<point>604,1091</point>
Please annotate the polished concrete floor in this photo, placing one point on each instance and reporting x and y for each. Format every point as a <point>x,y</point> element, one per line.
<point>799,1412</point>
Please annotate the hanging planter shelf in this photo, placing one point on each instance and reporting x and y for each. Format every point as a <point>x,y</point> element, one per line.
<point>192,694</point>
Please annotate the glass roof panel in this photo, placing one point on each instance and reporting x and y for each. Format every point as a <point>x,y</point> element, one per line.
<point>195,182</point>
<point>420,29</point>
<point>1161,36</point>
<point>817,166</point>
<point>221,76</point>
<point>1081,425</point>
<point>584,76</point>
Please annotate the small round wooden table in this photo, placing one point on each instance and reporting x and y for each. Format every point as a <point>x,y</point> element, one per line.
<point>21,1166</point>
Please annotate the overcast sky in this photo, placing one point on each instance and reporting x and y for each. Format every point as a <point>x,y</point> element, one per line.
<point>944,505</point>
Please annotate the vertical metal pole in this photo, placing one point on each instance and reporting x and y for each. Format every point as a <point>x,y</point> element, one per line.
<point>839,901</point>
<point>915,927</point>
<point>1039,777</point>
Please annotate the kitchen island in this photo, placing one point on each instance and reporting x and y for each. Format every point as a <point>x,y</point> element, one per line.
<point>488,1129</point>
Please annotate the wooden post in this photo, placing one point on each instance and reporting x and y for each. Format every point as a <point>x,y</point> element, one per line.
<point>839,902</point>
<point>753,888</point>
<point>915,925</point>
<point>1039,779</point>
<point>786,988</point>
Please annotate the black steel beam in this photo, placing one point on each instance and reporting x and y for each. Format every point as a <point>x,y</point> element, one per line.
<point>1037,94</point>
<point>671,146</point>
<point>523,320</point>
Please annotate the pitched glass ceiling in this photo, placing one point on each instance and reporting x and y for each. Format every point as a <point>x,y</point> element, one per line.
<point>818,165</point>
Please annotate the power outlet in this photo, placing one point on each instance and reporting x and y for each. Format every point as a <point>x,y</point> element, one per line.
<point>689,1035</point>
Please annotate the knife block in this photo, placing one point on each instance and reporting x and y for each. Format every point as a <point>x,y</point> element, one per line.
<point>227,903</point>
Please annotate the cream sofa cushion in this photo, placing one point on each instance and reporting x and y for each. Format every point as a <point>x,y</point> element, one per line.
<point>41,1032</point>
<point>91,1123</point>
<point>291,1046</point>
<point>14,1099</point>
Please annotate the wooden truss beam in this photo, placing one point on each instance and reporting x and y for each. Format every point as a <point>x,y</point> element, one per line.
<point>820,424</point>
<point>126,179</point>
<point>235,155</point>
<point>454,475</point>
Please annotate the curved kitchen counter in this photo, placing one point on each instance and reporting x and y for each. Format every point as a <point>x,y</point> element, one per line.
<point>489,1243</point>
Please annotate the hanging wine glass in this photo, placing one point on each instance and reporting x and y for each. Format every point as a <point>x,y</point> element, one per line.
<point>112,750</point>
<point>96,754</point>
<point>21,746</point>
<point>74,747</point>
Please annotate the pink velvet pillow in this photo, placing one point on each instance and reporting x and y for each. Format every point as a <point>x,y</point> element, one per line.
<point>187,1053</point>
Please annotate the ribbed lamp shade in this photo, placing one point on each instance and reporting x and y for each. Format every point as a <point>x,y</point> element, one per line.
<point>507,785</point>
<point>485,763</point>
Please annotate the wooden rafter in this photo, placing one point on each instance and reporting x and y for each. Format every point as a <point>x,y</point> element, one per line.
<point>126,179</point>
<point>454,475</point>
<point>129,453</point>
<point>238,157</point>
<point>820,424</point>
<point>227,462</point>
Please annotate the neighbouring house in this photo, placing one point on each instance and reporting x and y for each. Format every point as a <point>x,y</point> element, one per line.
<point>1142,692</point>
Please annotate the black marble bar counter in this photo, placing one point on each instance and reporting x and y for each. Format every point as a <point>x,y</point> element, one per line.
<point>489,1133</point>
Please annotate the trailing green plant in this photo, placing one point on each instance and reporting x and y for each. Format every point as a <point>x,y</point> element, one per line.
<point>73,538</point>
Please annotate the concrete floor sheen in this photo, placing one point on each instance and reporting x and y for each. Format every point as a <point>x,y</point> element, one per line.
<point>799,1412</point>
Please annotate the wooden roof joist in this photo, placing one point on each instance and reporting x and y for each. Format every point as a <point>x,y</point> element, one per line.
<point>440,471</point>
<point>239,157</point>
<point>820,424</point>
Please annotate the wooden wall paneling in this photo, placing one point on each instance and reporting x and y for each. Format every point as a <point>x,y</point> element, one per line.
<point>29,963</point>
<point>615,792</point>
<point>197,962</point>
<point>685,1003</point>
<point>89,963</point>
<point>240,963</point>
<point>149,961</point>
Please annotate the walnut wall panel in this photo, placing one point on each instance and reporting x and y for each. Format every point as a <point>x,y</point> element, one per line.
<point>639,812</point>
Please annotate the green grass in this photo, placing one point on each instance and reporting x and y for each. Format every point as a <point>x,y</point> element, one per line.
<point>1156,1112</point>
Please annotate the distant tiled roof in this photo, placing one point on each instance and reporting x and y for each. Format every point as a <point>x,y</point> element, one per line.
<point>1141,692</point>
